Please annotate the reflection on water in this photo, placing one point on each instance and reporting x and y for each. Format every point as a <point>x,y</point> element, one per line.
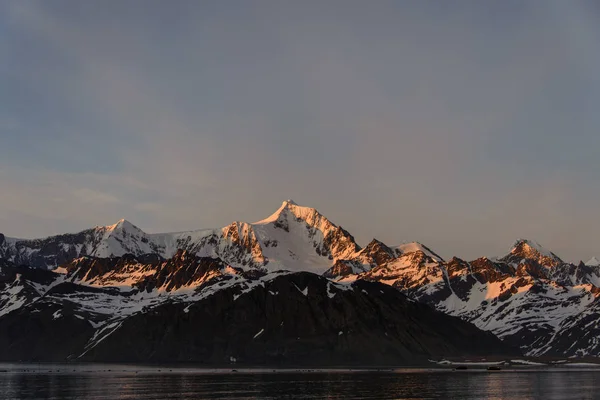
<point>19,382</point>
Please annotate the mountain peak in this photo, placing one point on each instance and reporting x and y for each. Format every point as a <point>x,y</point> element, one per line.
<point>530,245</point>
<point>593,262</point>
<point>412,247</point>
<point>529,249</point>
<point>121,224</point>
<point>290,206</point>
<point>376,242</point>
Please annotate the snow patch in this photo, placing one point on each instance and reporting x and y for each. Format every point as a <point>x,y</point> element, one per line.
<point>259,333</point>
<point>304,292</point>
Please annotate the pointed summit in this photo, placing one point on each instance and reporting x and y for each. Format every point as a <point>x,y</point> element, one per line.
<point>593,262</point>
<point>524,249</point>
<point>375,243</point>
<point>530,246</point>
<point>122,224</point>
<point>290,207</point>
<point>377,253</point>
<point>412,247</point>
<point>299,237</point>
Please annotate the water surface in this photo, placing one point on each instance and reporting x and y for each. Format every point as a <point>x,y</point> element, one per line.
<point>19,381</point>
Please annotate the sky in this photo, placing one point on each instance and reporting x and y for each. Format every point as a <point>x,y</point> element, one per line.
<point>464,125</point>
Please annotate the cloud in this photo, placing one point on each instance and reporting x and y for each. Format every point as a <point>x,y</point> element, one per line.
<point>93,197</point>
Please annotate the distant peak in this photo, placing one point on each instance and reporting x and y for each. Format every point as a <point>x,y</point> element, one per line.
<point>593,262</point>
<point>520,243</point>
<point>377,245</point>
<point>375,242</point>
<point>411,247</point>
<point>290,206</point>
<point>120,225</point>
<point>529,249</point>
<point>122,222</point>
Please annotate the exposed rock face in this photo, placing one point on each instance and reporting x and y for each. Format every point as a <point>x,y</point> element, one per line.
<point>411,272</point>
<point>144,272</point>
<point>343,268</point>
<point>485,270</point>
<point>192,309</point>
<point>531,251</point>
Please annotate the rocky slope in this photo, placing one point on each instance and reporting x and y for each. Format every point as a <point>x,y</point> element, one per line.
<point>530,298</point>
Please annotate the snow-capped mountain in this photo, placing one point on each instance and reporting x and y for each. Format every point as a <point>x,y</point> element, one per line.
<point>524,251</point>
<point>530,298</point>
<point>101,241</point>
<point>294,238</point>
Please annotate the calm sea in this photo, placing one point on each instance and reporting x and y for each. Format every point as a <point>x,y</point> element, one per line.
<point>19,381</point>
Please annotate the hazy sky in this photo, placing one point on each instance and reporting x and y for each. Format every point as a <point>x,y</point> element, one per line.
<point>463,125</point>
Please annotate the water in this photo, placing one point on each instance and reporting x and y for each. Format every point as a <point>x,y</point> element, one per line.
<point>19,381</point>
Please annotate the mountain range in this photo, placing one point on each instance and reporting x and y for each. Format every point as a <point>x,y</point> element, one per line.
<point>292,288</point>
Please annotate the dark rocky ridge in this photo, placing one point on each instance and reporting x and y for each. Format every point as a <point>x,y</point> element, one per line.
<point>371,325</point>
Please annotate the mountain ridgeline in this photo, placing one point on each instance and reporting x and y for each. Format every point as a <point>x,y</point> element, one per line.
<point>294,288</point>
